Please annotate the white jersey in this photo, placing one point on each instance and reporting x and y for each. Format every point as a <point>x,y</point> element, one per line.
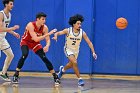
<point>6,22</point>
<point>73,40</point>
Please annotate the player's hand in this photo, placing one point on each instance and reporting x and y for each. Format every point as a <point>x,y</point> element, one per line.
<point>94,55</point>
<point>52,31</point>
<point>54,38</point>
<point>16,35</point>
<point>15,27</point>
<point>46,48</point>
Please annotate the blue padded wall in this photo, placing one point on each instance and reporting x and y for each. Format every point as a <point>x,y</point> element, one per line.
<point>117,49</point>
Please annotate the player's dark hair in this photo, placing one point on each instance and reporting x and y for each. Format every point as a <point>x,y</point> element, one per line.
<point>40,14</point>
<point>75,18</point>
<point>6,2</point>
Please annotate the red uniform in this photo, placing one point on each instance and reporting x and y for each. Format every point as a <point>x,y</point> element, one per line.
<point>27,39</point>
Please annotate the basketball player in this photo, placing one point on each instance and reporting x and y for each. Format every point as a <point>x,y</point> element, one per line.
<point>74,36</point>
<point>34,33</point>
<point>5,18</point>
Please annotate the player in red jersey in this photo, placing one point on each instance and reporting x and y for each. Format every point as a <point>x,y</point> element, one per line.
<point>34,33</point>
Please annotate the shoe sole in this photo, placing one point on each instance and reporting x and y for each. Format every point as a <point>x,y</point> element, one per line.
<point>57,84</point>
<point>5,79</point>
<point>15,82</point>
<point>81,85</point>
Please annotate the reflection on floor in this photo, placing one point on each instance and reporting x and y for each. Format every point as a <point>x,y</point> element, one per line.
<point>46,85</point>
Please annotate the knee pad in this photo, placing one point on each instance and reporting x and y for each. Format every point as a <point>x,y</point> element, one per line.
<point>24,56</point>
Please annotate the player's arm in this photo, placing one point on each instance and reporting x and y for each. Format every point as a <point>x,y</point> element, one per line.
<point>65,31</point>
<point>47,38</point>
<point>89,44</point>
<point>15,34</point>
<point>34,36</point>
<point>4,29</point>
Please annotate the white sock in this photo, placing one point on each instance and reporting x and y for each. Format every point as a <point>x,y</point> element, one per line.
<point>63,70</point>
<point>79,78</point>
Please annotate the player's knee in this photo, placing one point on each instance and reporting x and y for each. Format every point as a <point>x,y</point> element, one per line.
<point>10,55</point>
<point>24,56</point>
<point>43,56</point>
<point>74,62</point>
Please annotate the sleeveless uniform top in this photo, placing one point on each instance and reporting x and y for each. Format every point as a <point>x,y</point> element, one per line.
<point>73,40</point>
<point>6,22</point>
<point>27,37</point>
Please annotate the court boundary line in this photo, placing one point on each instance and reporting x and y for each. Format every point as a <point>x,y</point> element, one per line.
<point>84,76</point>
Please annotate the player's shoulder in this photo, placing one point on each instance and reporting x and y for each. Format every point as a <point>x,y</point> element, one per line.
<point>1,11</point>
<point>45,26</point>
<point>65,29</point>
<point>1,16</point>
<point>29,25</point>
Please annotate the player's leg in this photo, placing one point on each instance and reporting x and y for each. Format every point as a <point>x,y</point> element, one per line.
<point>62,69</point>
<point>48,64</point>
<point>73,59</point>
<point>9,56</point>
<point>69,65</point>
<point>25,51</point>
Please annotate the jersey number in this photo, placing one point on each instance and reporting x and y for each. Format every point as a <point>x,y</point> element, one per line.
<point>73,42</point>
<point>6,25</point>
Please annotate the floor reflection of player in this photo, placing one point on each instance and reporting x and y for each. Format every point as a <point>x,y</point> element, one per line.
<point>4,87</point>
<point>57,89</point>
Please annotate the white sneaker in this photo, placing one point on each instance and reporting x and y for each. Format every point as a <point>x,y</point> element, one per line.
<point>5,77</point>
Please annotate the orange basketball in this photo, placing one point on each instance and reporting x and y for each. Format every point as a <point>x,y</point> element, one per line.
<point>121,23</point>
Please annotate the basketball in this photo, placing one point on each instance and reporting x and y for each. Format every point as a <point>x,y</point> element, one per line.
<point>121,23</point>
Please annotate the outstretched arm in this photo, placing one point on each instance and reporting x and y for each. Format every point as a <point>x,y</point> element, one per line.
<point>4,29</point>
<point>15,34</point>
<point>34,36</point>
<point>65,31</point>
<point>90,44</point>
<point>47,38</point>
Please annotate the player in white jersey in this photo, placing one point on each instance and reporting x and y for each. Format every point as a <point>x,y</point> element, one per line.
<point>5,18</point>
<point>74,36</point>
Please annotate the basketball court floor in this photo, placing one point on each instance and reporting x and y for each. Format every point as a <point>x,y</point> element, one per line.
<point>69,85</point>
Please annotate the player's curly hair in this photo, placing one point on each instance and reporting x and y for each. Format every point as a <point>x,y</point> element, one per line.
<point>75,18</point>
<point>6,2</point>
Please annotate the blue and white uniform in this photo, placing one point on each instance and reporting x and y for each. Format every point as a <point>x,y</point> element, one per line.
<point>6,21</point>
<point>72,43</point>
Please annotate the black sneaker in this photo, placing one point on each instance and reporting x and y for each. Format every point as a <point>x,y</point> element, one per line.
<point>57,82</point>
<point>15,79</point>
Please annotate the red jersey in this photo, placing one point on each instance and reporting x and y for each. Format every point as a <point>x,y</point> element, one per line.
<point>28,41</point>
<point>27,37</point>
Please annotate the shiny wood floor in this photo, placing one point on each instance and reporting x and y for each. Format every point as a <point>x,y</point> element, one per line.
<point>46,85</point>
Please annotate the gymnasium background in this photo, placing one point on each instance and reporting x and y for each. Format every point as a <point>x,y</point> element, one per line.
<point>118,50</point>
